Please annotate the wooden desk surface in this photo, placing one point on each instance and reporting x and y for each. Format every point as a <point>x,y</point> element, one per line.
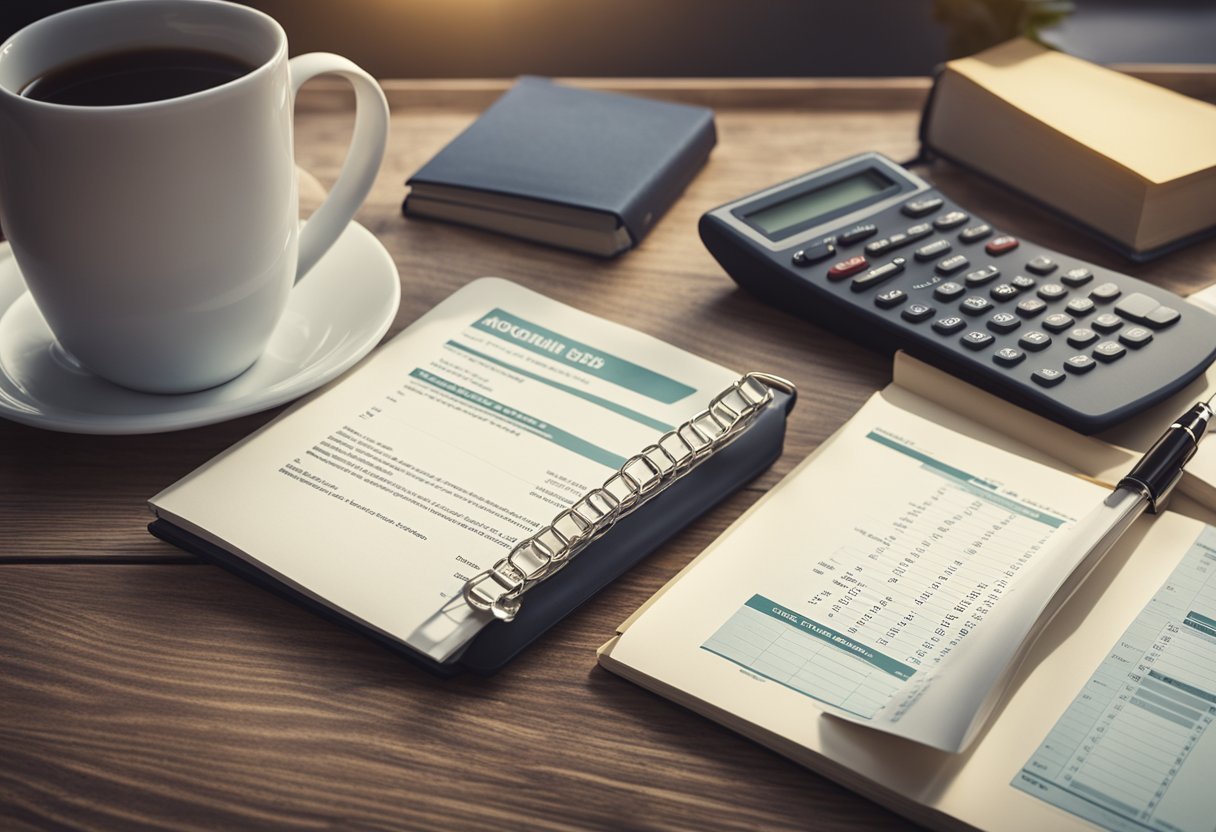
<point>140,687</point>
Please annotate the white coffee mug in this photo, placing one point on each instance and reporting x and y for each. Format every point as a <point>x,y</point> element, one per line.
<point>160,240</point>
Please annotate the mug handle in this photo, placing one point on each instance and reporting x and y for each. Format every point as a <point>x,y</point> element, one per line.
<point>363,159</point>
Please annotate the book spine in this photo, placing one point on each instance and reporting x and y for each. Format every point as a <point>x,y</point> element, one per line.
<point>660,192</point>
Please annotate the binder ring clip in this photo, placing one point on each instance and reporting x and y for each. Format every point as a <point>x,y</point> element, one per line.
<point>497,590</point>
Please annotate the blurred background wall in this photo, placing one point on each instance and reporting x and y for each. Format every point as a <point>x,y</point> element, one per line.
<point>504,38</point>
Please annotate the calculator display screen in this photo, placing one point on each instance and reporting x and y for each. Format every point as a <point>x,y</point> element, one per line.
<point>807,205</point>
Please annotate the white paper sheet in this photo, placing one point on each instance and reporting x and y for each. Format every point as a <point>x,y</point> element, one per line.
<point>878,582</point>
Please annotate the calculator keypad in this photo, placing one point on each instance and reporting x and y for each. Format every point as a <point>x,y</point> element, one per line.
<point>999,299</point>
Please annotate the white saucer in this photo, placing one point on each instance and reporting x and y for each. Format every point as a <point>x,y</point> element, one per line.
<point>336,314</point>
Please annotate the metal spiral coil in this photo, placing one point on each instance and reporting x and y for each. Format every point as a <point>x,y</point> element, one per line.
<point>497,590</point>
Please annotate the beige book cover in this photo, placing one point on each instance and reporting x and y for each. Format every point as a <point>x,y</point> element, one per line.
<point>1133,160</point>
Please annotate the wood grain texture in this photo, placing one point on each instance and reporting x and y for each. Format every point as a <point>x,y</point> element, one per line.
<point>180,696</point>
<point>160,694</point>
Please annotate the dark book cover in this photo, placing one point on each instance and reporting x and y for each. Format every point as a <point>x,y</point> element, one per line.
<point>622,156</point>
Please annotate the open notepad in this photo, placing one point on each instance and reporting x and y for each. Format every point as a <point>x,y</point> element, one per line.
<point>858,618</point>
<point>380,499</point>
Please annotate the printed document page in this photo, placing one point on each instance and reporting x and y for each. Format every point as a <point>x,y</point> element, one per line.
<point>465,434</point>
<point>1133,751</point>
<point>876,583</point>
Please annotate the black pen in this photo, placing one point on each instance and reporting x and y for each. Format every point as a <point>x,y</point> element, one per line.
<point>1159,470</point>
<point>1146,487</point>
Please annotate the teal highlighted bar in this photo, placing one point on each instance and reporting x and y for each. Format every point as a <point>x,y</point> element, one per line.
<point>640,418</point>
<point>867,654</point>
<point>580,356</point>
<point>926,460</point>
<point>974,485</point>
<point>1183,686</point>
<point>537,426</point>
<point>1200,622</point>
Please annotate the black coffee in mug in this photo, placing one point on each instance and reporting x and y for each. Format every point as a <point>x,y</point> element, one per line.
<point>135,76</point>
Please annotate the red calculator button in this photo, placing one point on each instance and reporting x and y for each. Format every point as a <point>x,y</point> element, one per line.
<point>1000,245</point>
<point>848,267</point>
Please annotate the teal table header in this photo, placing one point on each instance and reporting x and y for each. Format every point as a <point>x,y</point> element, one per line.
<point>586,358</point>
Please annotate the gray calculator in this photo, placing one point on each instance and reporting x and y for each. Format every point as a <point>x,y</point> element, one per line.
<point>869,250</point>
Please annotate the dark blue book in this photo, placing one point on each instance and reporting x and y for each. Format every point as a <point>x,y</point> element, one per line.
<point>575,168</point>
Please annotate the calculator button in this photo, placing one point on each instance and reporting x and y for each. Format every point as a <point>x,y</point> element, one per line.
<point>1034,340</point>
<point>975,232</point>
<point>1008,356</point>
<point>1079,364</point>
<point>1052,291</point>
<point>1136,307</point>
<point>857,233</point>
<point>1135,337</point>
<point>1076,277</point>
<point>952,264</point>
<point>1042,265</point>
<point>1004,292</point>
<point>976,339</point>
<point>915,232</point>
<point>1080,306</point>
<point>950,220</point>
<point>1031,307</point>
<point>1057,322</point>
<point>1109,351</point>
<point>1105,293</point>
<point>879,275</point>
<point>1004,322</point>
<point>1001,245</point>
<point>981,276</point>
<point>879,246</point>
<point>920,207</point>
<point>917,312</point>
<point>1162,317</point>
<point>949,324</point>
<point>890,298</point>
<point>1047,377</point>
<point>948,291</point>
<point>1023,282</point>
<point>814,254</point>
<point>1082,337</point>
<point>975,305</point>
<point>1107,322</point>
<point>932,250</point>
<point>847,268</point>
<point>1145,310</point>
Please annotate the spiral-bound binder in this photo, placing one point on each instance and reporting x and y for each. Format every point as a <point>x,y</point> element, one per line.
<point>497,590</point>
<point>653,495</point>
